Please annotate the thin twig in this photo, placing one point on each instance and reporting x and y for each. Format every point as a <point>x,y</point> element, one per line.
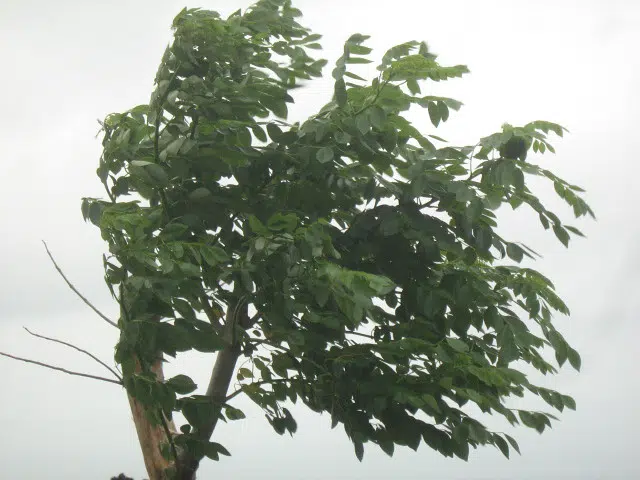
<point>370,337</point>
<point>471,160</point>
<point>258,383</point>
<point>75,290</point>
<point>375,98</point>
<point>168,433</point>
<point>60,369</point>
<point>210,312</point>
<point>70,345</point>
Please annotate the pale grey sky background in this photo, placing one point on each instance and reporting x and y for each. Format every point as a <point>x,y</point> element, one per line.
<point>67,63</point>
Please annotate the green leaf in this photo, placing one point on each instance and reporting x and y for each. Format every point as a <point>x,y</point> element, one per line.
<point>377,117</point>
<point>469,256</point>
<point>340,92</point>
<point>181,384</point>
<point>342,137</point>
<point>257,226</point>
<point>274,132</point>
<point>234,413</point>
<point>200,194</point>
<point>461,450</point>
<point>515,252</point>
<point>259,243</point>
<point>458,345</point>
<point>560,347</point>
<point>574,230</point>
<point>259,133</point>
<point>574,358</point>
<point>357,60</point>
<point>568,402</point>
<point>434,113</point>
<point>431,402</point>
<point>562,234</point>
<point>247,281</point>
<point>381,285</point>
<point>528,419</point>
<point>158,174</point>
<point>283,222</point>
<point>413,86</point>
<point>217,448</point>
<point>324,154</point>
<point>141,163</point>
<point>359,449</point>
<point>501,443</point>
<point>362,124</point>
<point>213,255</point>
<point>183,308</point>
<point>513,443</point>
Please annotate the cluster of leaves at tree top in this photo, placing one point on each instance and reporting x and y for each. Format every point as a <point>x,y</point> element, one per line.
<point>366,251</point>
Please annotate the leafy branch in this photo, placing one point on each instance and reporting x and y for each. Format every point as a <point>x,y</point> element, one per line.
<point>237,392</point>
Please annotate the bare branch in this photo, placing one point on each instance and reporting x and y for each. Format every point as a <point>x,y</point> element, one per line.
<point>70,345</point>
<point>75,290</point>
<point>95,377</point>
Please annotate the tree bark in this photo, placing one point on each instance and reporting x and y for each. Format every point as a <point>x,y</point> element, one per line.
<point>150,436</point>
<point>218,386</point>
<point>219,382</point>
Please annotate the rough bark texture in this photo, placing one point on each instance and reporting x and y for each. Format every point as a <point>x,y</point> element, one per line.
<point>150,436</point>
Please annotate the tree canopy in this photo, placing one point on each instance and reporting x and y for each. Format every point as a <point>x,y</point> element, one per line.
<point>354,260</point>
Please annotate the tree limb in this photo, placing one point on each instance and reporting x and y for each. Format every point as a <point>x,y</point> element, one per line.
<point>70,345</point>
<point>221,375</point>
<point>60,369</point>
<point>75,290</point>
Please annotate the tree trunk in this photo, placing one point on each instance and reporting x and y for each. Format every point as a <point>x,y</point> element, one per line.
<point>150,436</point>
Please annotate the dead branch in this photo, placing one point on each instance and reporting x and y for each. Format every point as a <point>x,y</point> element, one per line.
<point>75,290</point>
<point>60,369</point>
<point>70,345</point>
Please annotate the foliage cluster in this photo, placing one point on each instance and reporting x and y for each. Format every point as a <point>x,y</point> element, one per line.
<point>353,260</point>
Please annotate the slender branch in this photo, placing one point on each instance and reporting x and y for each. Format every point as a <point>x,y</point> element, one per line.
<point>167,432</point>
<point>261,382</point>
<point>60,369</point>
<point>370,337</point>
<point>430,203</point>
<point>70,345</point>
<point>375,98</point>
<point>75,290</point>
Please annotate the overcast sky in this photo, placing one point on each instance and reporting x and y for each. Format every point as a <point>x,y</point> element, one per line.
<point>65,64</point>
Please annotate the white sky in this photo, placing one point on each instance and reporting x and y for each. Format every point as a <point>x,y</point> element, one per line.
<point>67,63</point>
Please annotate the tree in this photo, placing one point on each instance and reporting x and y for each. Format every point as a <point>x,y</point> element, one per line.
<point>352,259</point>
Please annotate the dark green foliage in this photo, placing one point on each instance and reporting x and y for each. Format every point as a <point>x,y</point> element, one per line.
<point>368,252</point>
